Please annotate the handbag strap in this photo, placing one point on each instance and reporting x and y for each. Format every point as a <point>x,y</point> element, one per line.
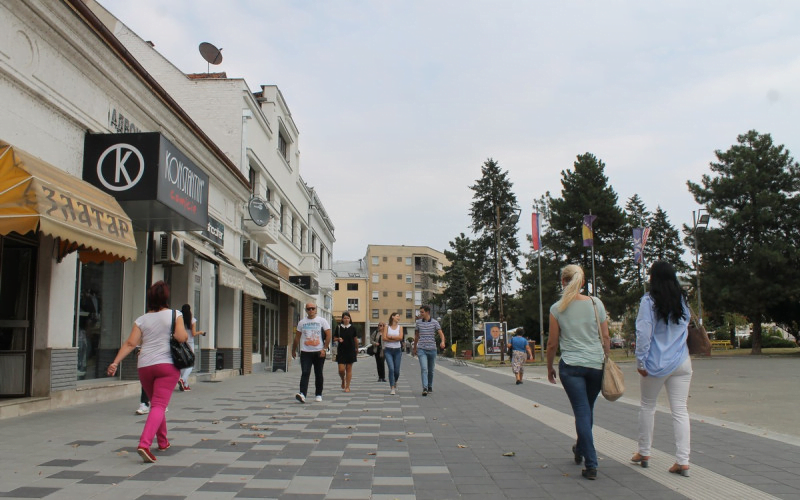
<point>599,329</point>
<point>172,328</point>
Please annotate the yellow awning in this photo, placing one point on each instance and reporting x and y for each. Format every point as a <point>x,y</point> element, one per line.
<point>37,196</point>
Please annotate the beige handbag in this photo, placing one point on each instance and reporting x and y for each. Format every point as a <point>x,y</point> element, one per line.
<point>613,380</point>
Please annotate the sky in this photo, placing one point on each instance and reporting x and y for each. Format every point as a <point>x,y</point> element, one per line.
<point>399,103</point>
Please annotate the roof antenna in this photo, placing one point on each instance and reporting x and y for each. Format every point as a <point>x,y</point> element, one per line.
<point>211,54</point>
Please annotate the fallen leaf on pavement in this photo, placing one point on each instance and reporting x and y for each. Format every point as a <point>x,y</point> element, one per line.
<point>509,454</point>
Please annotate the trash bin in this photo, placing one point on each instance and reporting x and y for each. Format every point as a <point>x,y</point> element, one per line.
<point>220,361</point>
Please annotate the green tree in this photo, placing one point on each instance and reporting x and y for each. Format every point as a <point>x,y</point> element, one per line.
<point>493,207</point>
<point>585,189</point>
<point>665,243</point>
<point>750,257</point>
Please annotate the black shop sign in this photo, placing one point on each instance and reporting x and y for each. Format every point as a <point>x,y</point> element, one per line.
<point>157,185</point>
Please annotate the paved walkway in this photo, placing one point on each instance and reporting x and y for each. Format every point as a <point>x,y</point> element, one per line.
<point>478,436</point>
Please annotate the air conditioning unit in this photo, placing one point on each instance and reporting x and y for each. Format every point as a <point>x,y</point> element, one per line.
<point>169,249</point>
<point>250,251</point>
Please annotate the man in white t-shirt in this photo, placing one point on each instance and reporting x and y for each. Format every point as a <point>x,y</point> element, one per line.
<point>313,335</point>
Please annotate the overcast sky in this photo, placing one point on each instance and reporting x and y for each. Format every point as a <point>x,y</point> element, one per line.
<point>399,103</point>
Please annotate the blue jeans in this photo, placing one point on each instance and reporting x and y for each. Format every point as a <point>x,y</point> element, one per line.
<point>427,361</point>
<point>394,356</point>
<point>582,386</point>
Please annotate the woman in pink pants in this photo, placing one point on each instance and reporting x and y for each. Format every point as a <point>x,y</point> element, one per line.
<point>156,372</point>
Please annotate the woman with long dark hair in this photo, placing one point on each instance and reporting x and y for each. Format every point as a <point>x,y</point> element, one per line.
<point>574,329</point>
<point>662,359</point>
<point>392,338</point>
<point>347,350</point>
<point>157,373</point>
<point>190,323</point>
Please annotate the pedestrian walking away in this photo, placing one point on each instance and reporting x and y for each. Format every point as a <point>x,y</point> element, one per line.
<point>573,329</point>
<point>392,336</point>
<point>425,346</point>
<point>520,353</point>
<point>312,337</point>
<point>347,349</point>
<point>190,323</point>
<point>157,374</point>
<point>377,350</point>
<point>662,360</point>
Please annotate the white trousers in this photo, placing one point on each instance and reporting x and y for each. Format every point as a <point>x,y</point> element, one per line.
<point>677,385</point>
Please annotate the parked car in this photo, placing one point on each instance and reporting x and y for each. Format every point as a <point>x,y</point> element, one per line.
<point>617,342</point>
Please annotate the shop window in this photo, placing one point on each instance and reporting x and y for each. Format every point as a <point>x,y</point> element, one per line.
<point>98,323</point>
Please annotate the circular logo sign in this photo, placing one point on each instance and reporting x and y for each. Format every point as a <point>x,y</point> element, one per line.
<point>258,211</point>
<point>120,167</point>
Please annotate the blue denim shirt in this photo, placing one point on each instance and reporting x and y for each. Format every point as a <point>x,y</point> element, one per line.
<point>660,347</point>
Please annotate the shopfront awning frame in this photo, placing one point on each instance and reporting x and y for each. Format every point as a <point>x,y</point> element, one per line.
<point>36,196</point>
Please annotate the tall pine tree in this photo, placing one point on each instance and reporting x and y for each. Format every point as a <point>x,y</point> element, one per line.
<point>750,258</point>
<point>493,207</point>
<point>585,190</point>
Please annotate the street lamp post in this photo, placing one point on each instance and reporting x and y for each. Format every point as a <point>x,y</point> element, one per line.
<point>699,223</point>
<point>473,300</point>
<point>450,316</point>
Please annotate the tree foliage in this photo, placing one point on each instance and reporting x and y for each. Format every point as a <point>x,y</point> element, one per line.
<point>493,207</point>
<point>750,257</point>
<point>585,190</point>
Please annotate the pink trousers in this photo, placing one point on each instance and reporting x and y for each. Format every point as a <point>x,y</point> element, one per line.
<point>158,382</point>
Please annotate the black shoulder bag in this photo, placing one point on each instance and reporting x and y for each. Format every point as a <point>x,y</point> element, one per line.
<point>182,354</point>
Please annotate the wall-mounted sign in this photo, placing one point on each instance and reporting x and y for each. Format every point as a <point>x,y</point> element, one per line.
<point>267,261</point>
<point>259,213</point>
<point>159,187</point>
<point>307,283</point>
<point>214,232</point>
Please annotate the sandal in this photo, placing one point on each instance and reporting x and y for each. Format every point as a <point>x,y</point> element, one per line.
<point>641,460</point>
<point>679,469</point>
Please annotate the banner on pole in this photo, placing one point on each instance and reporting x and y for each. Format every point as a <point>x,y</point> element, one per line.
<point>536,232</point>
<point>588,233</point>
<point>640,235</point>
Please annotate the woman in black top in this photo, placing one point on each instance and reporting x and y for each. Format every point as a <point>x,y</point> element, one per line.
<point>347,351</point>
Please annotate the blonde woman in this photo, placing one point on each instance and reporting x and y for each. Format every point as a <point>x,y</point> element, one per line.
<point>573,329</point>
<point>392,336</point>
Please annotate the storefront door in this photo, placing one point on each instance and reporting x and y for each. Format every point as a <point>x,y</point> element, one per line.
<point>17,264</point>
<point>265,327</point>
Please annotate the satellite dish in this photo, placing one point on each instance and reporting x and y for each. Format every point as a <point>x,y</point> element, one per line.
<point>211,54</point>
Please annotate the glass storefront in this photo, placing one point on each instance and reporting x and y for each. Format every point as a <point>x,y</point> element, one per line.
<point>97,317</point>
<point>17,266</point>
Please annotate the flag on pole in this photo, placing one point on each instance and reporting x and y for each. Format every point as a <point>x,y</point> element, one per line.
<point>640,235</point>
<point>588,233</point>
<point>536,232</point>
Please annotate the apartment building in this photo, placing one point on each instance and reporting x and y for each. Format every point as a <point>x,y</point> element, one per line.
<point>401,279</point>
<point>350,294</point>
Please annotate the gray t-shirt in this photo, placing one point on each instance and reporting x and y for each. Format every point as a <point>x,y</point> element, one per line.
<point>579,338</point>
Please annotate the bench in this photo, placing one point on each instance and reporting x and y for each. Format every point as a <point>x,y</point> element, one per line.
<point>721,344</point>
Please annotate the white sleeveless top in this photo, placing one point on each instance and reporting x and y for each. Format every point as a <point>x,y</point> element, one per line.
<point>393,333</point>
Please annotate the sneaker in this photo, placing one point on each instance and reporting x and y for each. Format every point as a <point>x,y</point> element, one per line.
<point>589,474</point>
<point>318,399</point>
<point>147,456</point>
<point>425,391</point>
<point>164,448</point>
<point>181,384</point>
<point>392,392</point>
<point>143,409</point>
<point>430,390</point>
<point>519,382</point>
<point>186,387</point>
<point>300,397</point>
